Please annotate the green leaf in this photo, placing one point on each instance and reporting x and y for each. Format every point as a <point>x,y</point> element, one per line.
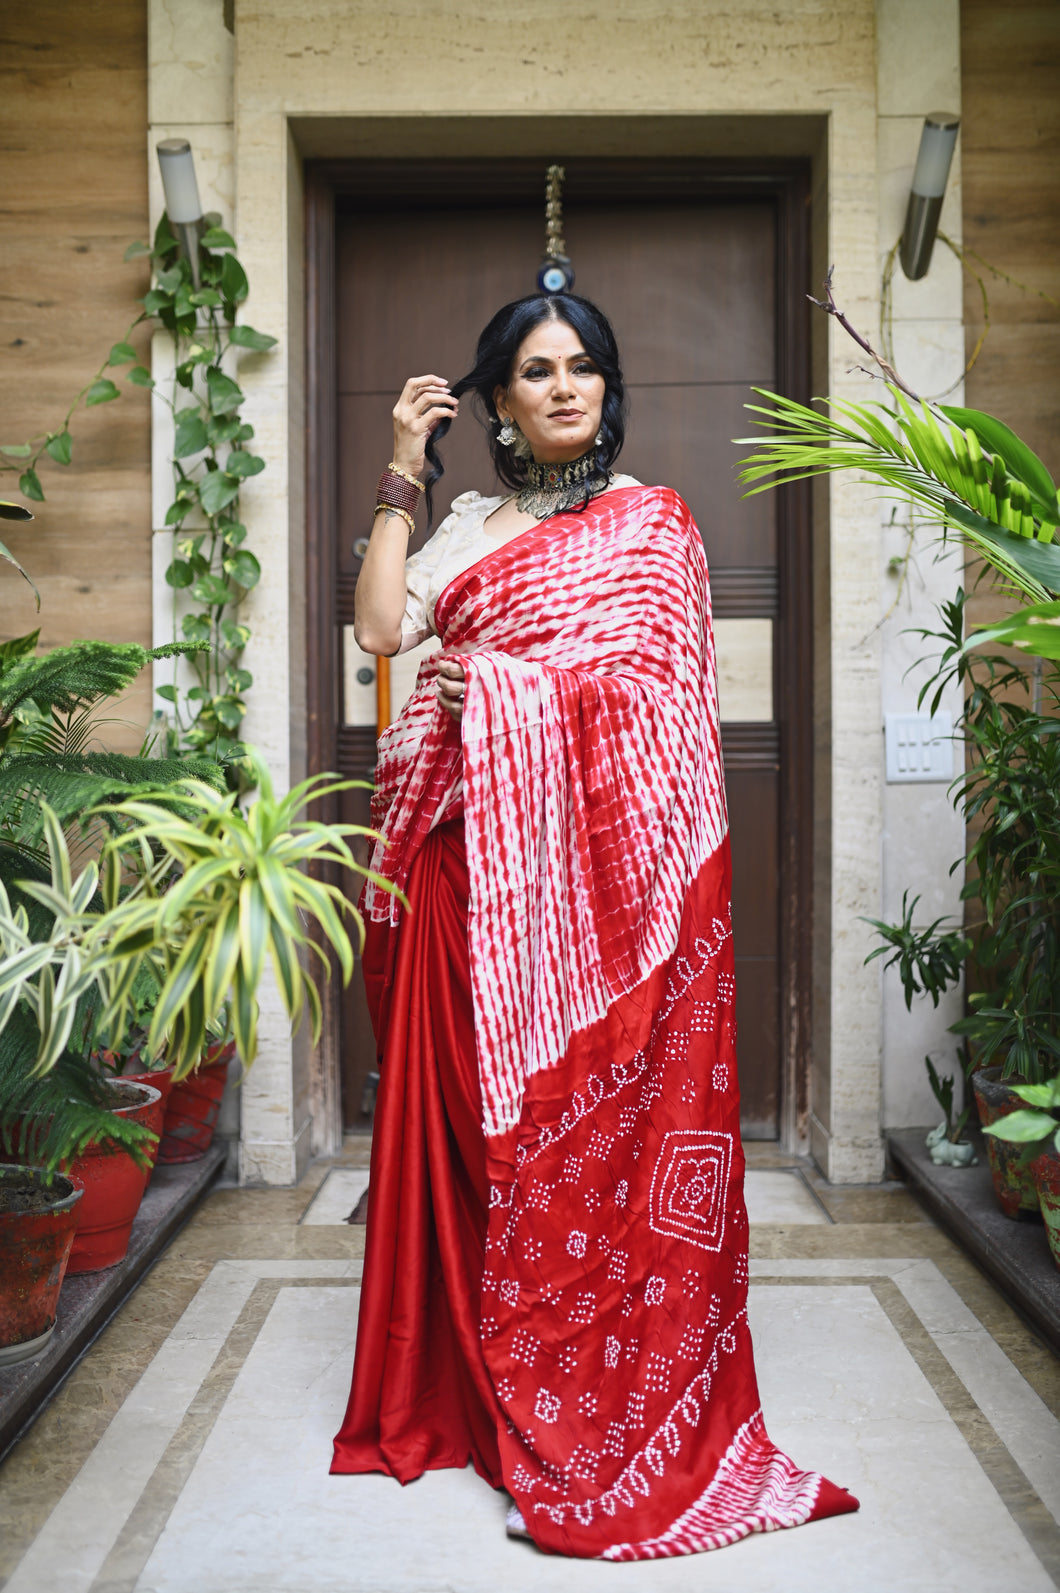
<point>102,391</point>
<point>235,635</point>
<point>217,238</point>
<point>1021,461</point>
<point>179,510</point>
<point>208,297</point>
<point>211,589</point>
<point>1022,1128</point>
<point>173,279</point>
<point>234,284</point>
<point>196,627</point>
<point>18,647</point>
<point>230,711</point>
<point>234,533</point>
<point>14,511</point>
<point>1040,561</point>
<point>164,237</point>
<point>243,567</point>
<point>224,394</point>
<point>222,429</point>
<point>140,376</point>
<point>30,487</point>
<point>246,337</point>
<point>190,435</point>
<point>136,250</point>
<point>10,557</point>
<point>180,573</point>
<point>239,679</point>
<point>16,450</point>
<point>242,464</point>
<point>156,301</point>
<point>217,490</point>
<point>1036,630</point>
<point>121,354</point>
<point>169,693</point>
<point>58,447</point>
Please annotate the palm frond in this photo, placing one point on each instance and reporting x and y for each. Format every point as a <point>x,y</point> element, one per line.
<point>922,455</point>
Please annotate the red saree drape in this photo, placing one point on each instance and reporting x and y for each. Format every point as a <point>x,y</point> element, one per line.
<point>603,1332</point>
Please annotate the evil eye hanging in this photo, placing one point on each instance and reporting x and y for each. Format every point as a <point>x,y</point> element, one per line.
<point>555,275</point>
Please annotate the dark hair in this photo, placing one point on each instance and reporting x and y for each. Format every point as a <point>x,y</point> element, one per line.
<point>494,359</point>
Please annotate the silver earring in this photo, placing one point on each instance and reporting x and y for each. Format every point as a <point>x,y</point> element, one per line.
<point>506,435</point>
<point>598,439</point>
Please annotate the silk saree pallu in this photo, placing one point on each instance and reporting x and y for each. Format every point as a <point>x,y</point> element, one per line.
<point>612,1317</point>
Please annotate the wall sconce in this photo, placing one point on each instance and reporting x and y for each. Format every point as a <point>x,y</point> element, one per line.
<point>932,172</point>
<point>183,206</point>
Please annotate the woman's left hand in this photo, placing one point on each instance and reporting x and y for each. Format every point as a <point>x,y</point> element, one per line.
<point>450,687</point>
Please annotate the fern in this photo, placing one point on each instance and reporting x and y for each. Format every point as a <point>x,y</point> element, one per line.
<point>71,786</point>
<point>47,1121</point>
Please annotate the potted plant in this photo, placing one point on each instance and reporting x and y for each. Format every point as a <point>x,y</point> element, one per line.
<point>1038,1131</point>
<point>971,478</point>
<point>37,1221</point>
<point>217,893</point>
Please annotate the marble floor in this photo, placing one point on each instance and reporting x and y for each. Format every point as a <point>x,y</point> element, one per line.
<point>188,1451</point>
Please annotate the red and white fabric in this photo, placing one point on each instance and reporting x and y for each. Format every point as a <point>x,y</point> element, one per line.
<point>612,1316</point>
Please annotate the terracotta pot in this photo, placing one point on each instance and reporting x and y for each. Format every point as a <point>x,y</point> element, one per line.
<point>114,1186</point>
<point>1046,1171</point>
<point>1013,1179</point>
<point>193,1108</point>
<point>34,1250</point>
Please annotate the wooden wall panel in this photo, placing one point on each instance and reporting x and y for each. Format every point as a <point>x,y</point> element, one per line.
<point>73,121</point>
<point>1010,170</point>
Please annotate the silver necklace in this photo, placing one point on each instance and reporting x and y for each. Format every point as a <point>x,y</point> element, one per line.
<point>554,488</point>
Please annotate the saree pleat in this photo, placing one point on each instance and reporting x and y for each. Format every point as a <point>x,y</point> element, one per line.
<point>421,1397</point>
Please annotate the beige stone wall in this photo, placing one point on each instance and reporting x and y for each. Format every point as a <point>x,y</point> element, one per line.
<point>413,78</point>
<point>73,105</point>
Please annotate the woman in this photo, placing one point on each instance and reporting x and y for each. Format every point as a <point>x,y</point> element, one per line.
<point>556,1262</point>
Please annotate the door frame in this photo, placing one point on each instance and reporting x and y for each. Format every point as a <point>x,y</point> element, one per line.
<point>477,180</point>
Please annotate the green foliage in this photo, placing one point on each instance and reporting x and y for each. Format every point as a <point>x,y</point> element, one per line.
<point>1034,1127</point>
<point>243,895</point>
<point>1010,793</point>
<point>211,461</point>
<point>929,960</point>
<point>48,707</point>
<point>1005,506</point>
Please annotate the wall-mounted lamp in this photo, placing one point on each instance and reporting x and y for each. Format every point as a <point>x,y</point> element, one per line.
<point>932,172</point>
<point>183,206</point>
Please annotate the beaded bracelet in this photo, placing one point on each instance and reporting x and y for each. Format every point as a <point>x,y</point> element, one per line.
<point>392,508</point>
<point>399,472</point>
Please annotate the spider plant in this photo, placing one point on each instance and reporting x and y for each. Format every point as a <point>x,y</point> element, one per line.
<point>217,895</point>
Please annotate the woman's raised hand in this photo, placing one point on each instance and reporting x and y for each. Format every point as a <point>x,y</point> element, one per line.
<point>424,401</point>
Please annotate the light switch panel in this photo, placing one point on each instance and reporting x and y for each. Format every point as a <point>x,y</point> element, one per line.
<point>919,747</point>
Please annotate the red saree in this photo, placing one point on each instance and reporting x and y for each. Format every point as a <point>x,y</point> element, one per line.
<point>602,1368</point>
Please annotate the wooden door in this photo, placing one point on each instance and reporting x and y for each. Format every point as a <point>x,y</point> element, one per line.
<point>693,275</point>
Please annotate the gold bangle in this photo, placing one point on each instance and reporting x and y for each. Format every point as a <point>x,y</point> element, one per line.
<point>399,472</point>
<point>392,508</point>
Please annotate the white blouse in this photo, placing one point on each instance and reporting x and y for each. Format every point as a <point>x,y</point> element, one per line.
<point>459,542</point>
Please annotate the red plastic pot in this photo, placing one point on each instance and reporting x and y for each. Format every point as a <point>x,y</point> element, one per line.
<point>193,1108</point>
<point>34,1251</point>
<point>163,1083</point>
<point>1013,1179</point>
<point>1046,1171</point>
<point>114,1185</point>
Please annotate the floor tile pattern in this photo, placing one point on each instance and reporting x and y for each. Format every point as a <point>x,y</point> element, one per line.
<point>189,1450</point>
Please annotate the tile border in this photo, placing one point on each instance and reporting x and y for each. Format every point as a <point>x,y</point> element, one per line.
<point>938,1328</point>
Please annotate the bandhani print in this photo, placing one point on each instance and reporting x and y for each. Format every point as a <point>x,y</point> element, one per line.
<point>613,1313</point>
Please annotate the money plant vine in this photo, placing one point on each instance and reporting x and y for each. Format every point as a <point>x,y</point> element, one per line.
<point>212,459</point>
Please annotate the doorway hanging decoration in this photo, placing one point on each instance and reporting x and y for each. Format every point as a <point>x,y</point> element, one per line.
<point>555,274</point>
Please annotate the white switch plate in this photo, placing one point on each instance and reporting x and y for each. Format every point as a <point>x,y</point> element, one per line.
<point>919,747</point>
